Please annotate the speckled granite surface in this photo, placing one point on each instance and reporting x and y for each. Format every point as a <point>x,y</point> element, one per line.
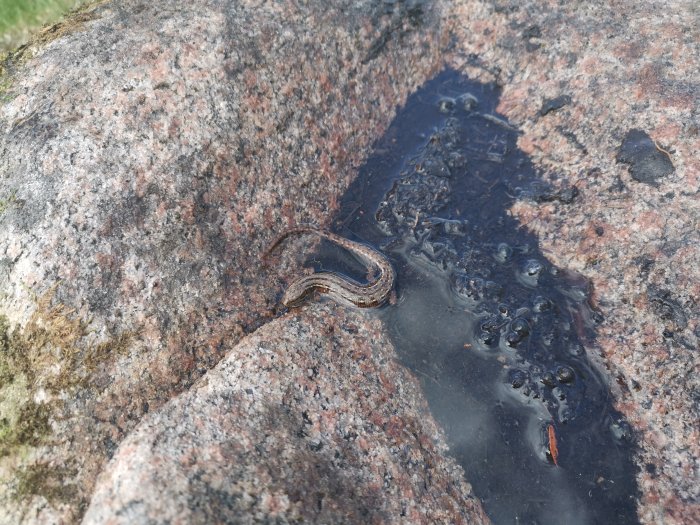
<point>150,153</point>
<point>310,419</point>
<point>148,157</point>
<point>628,68</point>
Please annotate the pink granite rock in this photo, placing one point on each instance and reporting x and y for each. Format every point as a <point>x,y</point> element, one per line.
<point>625,66</point>
<point>311,419</point>
<point>148,156</point>
<point>151,151</point>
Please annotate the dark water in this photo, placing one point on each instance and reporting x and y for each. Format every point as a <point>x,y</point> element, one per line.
<point>496,334</point>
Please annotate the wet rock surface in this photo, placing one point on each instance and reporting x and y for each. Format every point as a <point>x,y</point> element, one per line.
<point>618,81</point>
<point>149,153</point>
<point>309,420</point>
<point>498,335</point>
<point>648,161</point>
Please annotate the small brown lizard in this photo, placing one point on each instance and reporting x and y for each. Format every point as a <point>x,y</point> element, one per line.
<point>339,287</point>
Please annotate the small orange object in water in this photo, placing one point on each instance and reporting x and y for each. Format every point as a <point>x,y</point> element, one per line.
<point>553,450</point>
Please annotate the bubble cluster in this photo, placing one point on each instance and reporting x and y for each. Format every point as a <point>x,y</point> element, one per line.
<point>496,334</point>
<point>520,300</point>
<point>423,188</point>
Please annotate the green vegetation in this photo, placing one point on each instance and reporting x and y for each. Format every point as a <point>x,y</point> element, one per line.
<point>48,341</point>
<point>20,18</point>
<point>50,358</point>
<point>12,197</point>
<point>53,483</point>
<point>51,354</point>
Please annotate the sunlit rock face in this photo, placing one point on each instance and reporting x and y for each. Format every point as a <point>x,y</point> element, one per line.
<point>149,153</point>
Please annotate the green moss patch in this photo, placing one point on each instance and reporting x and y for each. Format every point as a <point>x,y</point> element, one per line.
<point>22,424</point>
<point>49,356</point>
<point>53,483</point>
<point>11,199</point>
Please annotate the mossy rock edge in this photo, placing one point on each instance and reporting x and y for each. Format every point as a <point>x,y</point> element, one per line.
<point>12,60</point>
<point>52,357</point>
